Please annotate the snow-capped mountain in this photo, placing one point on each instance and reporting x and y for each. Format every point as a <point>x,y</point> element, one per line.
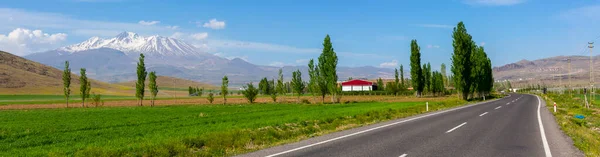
<point>114,60</point>
<point>132,43</point>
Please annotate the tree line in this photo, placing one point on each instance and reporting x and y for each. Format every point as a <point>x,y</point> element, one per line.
<point>471,67</point>
<point>471,76</point>
<point>471,73</point>
<point>86,87</point>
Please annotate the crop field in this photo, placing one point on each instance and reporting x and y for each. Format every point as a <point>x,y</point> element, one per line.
<point>187,130</point>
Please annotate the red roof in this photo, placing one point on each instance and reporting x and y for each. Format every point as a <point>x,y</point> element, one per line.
<point>357,83</point>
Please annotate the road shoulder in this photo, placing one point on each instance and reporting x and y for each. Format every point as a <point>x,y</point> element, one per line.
<point>560,143</point>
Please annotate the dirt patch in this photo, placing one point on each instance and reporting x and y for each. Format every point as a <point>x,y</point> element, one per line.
<point>219,100</point>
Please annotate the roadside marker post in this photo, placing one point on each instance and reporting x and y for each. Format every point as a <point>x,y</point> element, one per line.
<point>427,106</point>
<point>554,107</point>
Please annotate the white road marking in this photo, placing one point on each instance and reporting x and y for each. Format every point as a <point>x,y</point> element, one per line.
<point>403,155</point>
<point>507,103</point>
<point>456,127</point>
<point>375,128</point>
<point>483,114</point>
<point>542,131</point>
<point>497,107</point>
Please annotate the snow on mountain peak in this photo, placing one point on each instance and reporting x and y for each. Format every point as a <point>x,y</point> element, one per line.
<point>125,35</point>
<point>130,42</point>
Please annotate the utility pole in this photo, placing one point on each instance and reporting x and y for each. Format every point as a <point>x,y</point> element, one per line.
<point>560,85</point>
<point>591,46</point>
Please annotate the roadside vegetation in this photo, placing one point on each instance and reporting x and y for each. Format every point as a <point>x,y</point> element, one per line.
<point>585,132</point>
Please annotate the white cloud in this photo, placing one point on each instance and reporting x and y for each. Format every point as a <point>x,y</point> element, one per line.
<point>96,32</point>
<point>392,64</point>
<point>24,41</point>
<point>173,27</point>
<point>221,54</point>
<point>434,26</point>
<point>214,24</point>
<point>362,55</point>
<point>482,44</point>
<point>53,21</point>
<point>199,36</point>
<point>148,23</point>
<point>277,64</point>
<point>494,2</point>
<point>177,35</point>
<point>266,47</point>
<point>301,61</point>
<point>433,46</point>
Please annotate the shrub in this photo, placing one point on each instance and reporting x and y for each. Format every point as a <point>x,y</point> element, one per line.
<point>305,101</point>
<point>97,100</point>
<point>250,92</point>
<point>274,97</point>
<point>210,98</point>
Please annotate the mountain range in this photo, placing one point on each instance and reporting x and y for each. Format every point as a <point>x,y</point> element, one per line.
<point>551,71</point>
<point>114,60</point>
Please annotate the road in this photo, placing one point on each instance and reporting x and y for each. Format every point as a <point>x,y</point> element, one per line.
<point>510,126</point>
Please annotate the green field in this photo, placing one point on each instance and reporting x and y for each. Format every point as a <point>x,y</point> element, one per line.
<point>585,133</point>
<point>190,130</point>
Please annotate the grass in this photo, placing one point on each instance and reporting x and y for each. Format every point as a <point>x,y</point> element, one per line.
<point>190,130</point>
<point>585,133</point>
<point>173,89</point>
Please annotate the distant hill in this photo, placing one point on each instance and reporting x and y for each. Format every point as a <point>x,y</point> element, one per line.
<point>21,76</point>
<point>172,82</point>
<point>550,71</point>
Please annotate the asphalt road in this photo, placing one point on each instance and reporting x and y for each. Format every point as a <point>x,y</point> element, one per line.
<point>505,127</point>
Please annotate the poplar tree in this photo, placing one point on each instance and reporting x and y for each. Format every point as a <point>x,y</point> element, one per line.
<point>395,86</point>
<point>224,90</point>
<point>263,86</point>
<point>402,84</point>
<point>153,87</point>
<point>328,70</point>
<point>313,87</point>
<point>272,90</point>
<point>444,76</point>
<point>67,82</point>
<point>84,88</point>
<point>461,59</point>
<point>380,84</point>
<point>297,83</point>
<point>481,72</point>
<point>416,73</point>
<point>427,76</point>
<point>141,80</point>
<point>280,86</point>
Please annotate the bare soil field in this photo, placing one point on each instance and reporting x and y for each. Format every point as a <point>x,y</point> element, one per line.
<point>230,100</point>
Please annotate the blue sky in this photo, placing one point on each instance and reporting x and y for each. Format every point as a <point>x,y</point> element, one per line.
<point>291,32</point>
